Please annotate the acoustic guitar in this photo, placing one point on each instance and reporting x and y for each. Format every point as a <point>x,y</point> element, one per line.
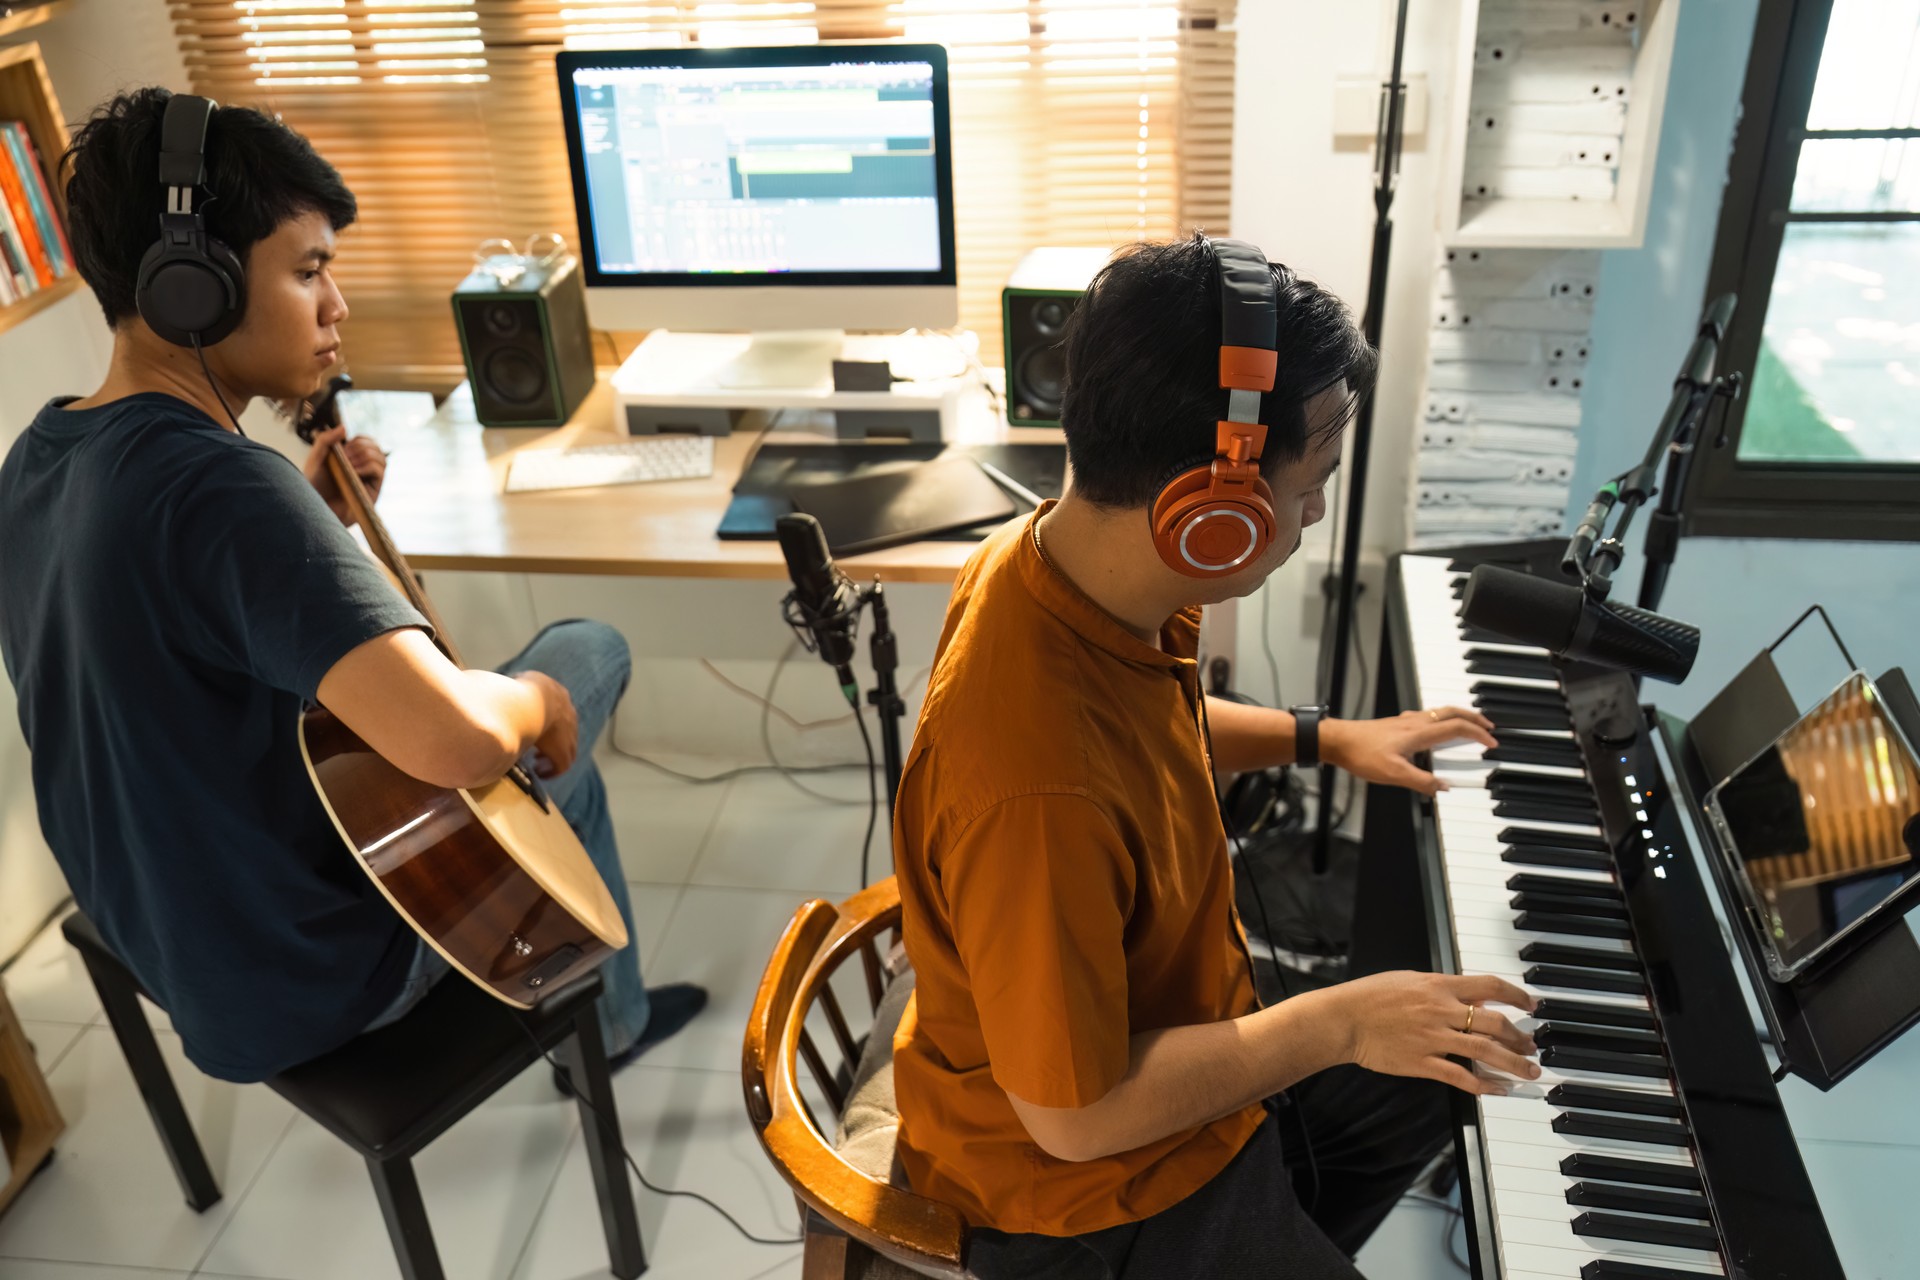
<point>492,878</point>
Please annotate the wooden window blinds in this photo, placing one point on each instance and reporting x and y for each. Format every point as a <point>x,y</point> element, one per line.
<point>1075,122</point>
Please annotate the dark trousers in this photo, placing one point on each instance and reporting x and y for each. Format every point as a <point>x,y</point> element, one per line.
<point>1325,1169</point>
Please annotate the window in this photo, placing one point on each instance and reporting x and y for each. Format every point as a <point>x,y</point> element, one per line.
<point>1075,122</point>
<point>1820,236</point>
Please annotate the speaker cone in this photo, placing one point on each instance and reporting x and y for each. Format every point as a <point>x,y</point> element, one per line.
<point>1040,380</point>
<point>514,376</point>
<point>502,318</point>
<point>1050,316</point>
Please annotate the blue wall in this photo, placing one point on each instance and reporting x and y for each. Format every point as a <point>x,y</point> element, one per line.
<point>1741,592</point>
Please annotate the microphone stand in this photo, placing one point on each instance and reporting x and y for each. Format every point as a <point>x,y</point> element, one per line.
<point>884,650</point>
<point>889,707</point>
<point>1593,558</point>
<point>1387,142</point>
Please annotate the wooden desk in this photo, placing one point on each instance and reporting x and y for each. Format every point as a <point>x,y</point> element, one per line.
<point>445,501</point>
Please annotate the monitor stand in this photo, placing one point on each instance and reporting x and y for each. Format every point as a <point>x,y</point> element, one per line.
<point>782,359</point>
<point>709,382</point>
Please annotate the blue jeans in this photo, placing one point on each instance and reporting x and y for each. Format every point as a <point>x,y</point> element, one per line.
<point>591,660</point>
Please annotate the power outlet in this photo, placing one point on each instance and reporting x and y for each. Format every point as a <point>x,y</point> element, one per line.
<point>1316,604</point>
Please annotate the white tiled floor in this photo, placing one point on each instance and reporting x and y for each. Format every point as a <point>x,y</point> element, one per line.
<point>715,873</point>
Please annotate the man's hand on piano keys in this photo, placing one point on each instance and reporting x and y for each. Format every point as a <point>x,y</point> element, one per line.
<point>1383,750</point>
<point>1414,1024</point>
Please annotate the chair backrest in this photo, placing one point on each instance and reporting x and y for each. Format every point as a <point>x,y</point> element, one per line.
<point>919,1233</point>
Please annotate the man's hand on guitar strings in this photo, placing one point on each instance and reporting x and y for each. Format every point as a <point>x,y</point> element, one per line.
<point>364,455</point>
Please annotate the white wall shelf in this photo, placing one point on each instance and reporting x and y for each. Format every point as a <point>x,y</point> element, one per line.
<point>1555,124</point>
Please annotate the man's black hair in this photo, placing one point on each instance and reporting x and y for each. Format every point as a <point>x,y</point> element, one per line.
<point>260,174</point>
<point>1143,370</point>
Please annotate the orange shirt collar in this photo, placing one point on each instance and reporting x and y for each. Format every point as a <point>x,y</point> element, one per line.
<point>1059,596</point>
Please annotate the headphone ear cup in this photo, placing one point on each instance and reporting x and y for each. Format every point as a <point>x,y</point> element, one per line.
<point>190,293</point>
<point>1206,537</point>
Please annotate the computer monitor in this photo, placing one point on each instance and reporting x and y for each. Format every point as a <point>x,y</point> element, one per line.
<point>763,189</point>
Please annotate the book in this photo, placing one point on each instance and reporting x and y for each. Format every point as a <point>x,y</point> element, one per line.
<point>19,271</point>
<point>15,194</point>
<point>45,211</point>
<point>8,291</point>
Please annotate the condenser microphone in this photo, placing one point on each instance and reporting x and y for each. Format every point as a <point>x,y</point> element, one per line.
<point>824,602</point>
<point>1567,622</point>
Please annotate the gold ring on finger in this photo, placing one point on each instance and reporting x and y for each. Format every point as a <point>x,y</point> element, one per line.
<point>1468,1029</point>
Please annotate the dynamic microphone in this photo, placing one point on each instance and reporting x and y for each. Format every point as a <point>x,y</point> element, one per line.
<point>824,599</point>
<point>1569,623</point>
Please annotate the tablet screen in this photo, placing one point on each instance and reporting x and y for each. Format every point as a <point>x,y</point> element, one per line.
<point>1816,827</point>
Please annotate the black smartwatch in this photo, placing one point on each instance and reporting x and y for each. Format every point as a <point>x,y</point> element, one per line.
<point>1306,732</point>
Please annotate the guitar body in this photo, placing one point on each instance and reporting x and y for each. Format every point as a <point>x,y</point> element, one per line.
<point>493,879</point>
<point>496,883</point>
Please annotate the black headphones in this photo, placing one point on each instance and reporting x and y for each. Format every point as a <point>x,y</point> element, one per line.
<point>192,288</point>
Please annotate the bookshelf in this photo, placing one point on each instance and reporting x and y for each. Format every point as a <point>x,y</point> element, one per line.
<point>32,16</point>
<point>26,93</point>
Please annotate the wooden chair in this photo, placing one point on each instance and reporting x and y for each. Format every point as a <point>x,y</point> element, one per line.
<point>858,1225</point>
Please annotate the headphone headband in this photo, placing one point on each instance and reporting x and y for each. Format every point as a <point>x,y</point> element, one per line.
<point>192,288</point>
<point>183,140</point>
<point>1211,519</point>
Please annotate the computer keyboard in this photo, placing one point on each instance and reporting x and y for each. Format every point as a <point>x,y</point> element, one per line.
<point>629,462</point>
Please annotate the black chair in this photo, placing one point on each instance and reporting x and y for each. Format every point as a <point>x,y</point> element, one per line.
<point>389,1093</point>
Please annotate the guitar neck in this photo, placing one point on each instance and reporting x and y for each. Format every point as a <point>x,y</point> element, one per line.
<point>360,507</point>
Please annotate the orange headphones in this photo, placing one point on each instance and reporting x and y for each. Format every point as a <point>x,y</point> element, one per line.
<point>1212,519</point>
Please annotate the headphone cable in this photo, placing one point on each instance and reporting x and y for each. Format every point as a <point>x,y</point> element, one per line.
<point>199,351</point>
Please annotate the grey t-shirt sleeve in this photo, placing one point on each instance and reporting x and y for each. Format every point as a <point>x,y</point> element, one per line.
<point>266,578</point>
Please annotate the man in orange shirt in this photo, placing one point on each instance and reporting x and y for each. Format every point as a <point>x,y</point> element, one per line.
<point>1085,1071</point>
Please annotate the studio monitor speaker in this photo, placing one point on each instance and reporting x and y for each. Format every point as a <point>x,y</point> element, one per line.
<point>528,349</point>
<point>1034,310</point>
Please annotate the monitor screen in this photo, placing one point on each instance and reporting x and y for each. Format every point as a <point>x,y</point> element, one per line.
<point>807,166</point>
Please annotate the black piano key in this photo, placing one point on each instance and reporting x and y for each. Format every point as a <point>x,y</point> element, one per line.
<point>1654,1133</point>
<point>1641,1173</point>
<point>1562,1009</point>
<point>1529,855</point>
<point>1598,1097</point>
<point>1520,694</point>
<point>1666,1204</point>
<point>1564,886</point>
<point>1616,1039</point>
<point>1600,1062</point>
<point>1557,975</point>
<point>1552,839</point>
<point>1579,957</point>
<point>1480,635</point>
<point>1524,666</point>
<point>1676,1235</point>
<point>1509,715</point>
<point>1559,752</point>
<point>1568,905</point>
<point>1538,786</point>
<point>1459,588</point>
<point>1614,1269</point>
<point>1546,811</point>
<point>1572,926</point>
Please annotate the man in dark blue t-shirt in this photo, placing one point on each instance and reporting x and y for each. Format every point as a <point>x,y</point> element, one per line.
<point>172,594</point>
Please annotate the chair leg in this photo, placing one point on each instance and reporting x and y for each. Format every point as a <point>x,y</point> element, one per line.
<point>142,1052</point>
<point>600,1125</point>
<point>406,1214</point>
<point>828,1253</point>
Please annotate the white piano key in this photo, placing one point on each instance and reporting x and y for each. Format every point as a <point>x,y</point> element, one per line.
<point>1520,1258</point>
<point>1533,1231</point>
<point>1495,872</point>
<point>1552,1206</point>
